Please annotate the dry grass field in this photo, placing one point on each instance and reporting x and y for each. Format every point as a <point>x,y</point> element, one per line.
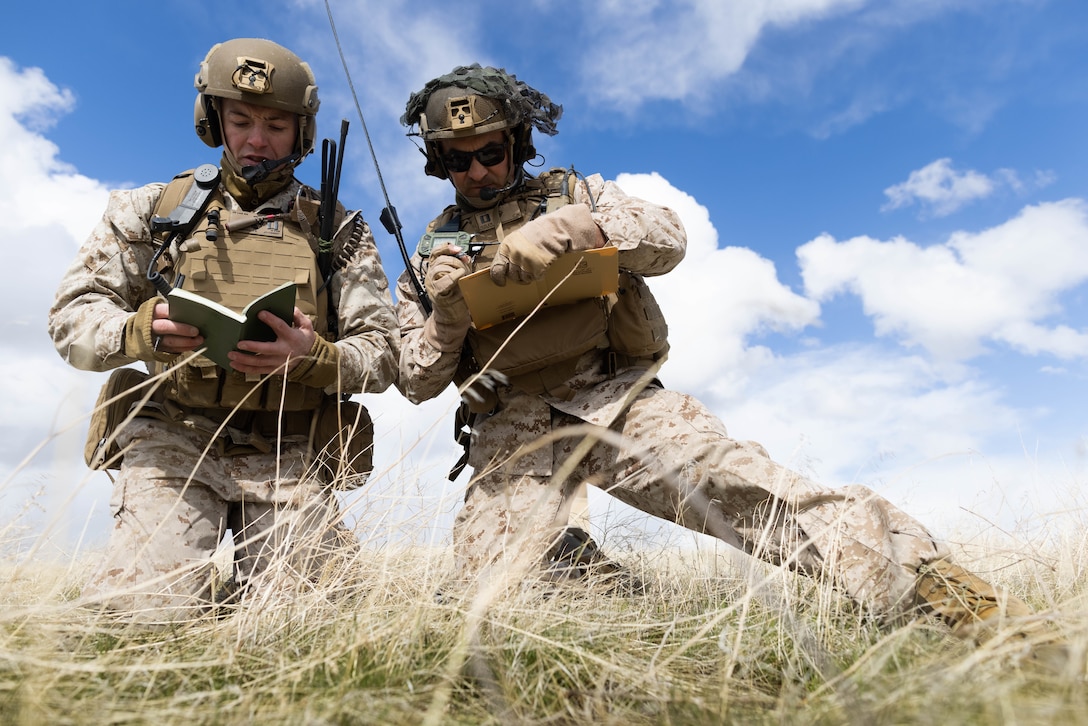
<point>713,639</point>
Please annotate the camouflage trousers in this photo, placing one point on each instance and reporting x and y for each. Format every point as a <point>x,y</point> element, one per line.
<point>171,514</point>
<point>668,456</point>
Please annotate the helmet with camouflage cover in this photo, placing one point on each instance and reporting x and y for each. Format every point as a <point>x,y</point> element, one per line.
<point>473,100</point>
<point>260,72</point>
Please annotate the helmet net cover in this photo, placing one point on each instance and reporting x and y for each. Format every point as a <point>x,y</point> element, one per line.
<point>518,102</point>
<point>259,72</point>
<point>473,100</point>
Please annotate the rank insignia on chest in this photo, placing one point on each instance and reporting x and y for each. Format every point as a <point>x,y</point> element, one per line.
<point>485,220</point>
<point>270,228</point>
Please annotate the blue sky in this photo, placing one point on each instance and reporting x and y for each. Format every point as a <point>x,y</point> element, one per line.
<point>887,206</point>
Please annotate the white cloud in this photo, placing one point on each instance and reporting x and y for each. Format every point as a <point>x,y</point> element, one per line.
<point>48,208</point>
<point>409,495</point>
<point>678,51</point>
<point>27,95</point>
<point>851,410</point>
<point>32,175</point>
<point>46,205</point>
<point>1000,285</point>
<point>941,190</point>
<point>858,110</point>
<point>717,298</point>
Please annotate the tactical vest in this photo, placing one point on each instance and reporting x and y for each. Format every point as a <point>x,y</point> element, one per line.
<point>542,355</point>
<point>232,268</point>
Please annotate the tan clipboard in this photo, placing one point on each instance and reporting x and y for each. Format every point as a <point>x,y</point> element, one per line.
<point>572,277</point>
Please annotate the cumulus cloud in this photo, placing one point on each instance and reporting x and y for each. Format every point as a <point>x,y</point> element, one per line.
<point>42,445</point>
<point>31,172</point>
<point>925,428</point>
<point>940,190</point>
<point>35,184</point>
<point>849,410</point>
<point>666,51</point>
<point>717,298</point>
<point>39,242</point>
<point>1001,285</point>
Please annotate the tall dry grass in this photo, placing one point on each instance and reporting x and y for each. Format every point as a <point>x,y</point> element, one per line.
<point>373,644</point>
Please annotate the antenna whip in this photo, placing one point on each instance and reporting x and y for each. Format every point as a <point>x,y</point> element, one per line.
<point>389,218</point>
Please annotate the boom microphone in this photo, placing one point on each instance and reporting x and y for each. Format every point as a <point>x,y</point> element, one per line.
<point>259,172</point>
<point>489,193</point>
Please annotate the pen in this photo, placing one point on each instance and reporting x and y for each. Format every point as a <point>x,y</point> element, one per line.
<point>158,338</point>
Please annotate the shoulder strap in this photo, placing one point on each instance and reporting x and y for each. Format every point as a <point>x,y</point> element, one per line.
<point>558,183</point>
<point>453,225</point>
<point>172,195</point>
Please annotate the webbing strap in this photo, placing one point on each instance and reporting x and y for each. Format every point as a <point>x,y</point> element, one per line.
<point>452,225</point>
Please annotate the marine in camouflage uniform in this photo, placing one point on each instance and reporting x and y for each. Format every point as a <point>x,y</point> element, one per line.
<point>592,409</point>
<point>213,449</point>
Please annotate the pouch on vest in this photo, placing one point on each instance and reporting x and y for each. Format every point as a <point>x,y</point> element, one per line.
<point>636,325</point>
<point>553,334</point>
<point>343,440</point>
<point>118,396</point>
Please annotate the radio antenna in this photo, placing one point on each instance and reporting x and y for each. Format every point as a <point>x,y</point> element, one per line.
<point>389,218</point>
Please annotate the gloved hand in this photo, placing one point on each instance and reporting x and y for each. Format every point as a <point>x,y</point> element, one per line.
<point>525,253</point>
<point>139,341</point>
<point>445,329</point>
<point>320,368</point>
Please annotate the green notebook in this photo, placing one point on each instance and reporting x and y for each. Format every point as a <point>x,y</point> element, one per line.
<point>222,327</point>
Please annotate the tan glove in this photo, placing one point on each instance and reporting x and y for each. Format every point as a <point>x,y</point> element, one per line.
<point>445,329</point>
<point>525,254</point>
<point>321,366</point>
<point>139,341</point>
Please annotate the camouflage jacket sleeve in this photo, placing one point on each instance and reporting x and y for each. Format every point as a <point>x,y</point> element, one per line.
<point>425,371</point>
<point>650,238</point>
<point>369,341</point>
<point>106,283</point>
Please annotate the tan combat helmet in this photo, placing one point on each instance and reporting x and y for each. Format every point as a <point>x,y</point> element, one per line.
<point>452,113</point>
<point>260,72</point>
<point>474,100</point>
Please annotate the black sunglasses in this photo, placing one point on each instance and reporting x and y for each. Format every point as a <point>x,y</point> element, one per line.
<point>489,155</point>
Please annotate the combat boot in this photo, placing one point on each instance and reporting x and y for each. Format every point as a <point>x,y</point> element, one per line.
<point>969,605</point>
<point>973,608</point>
<point>575,556</point>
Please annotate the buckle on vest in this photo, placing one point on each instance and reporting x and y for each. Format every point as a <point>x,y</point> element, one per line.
<point>239,437</point>
<point>611,363</point>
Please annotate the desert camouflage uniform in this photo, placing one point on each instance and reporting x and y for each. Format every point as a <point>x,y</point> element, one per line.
<point>663,453</point>
<point>177,493</point>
